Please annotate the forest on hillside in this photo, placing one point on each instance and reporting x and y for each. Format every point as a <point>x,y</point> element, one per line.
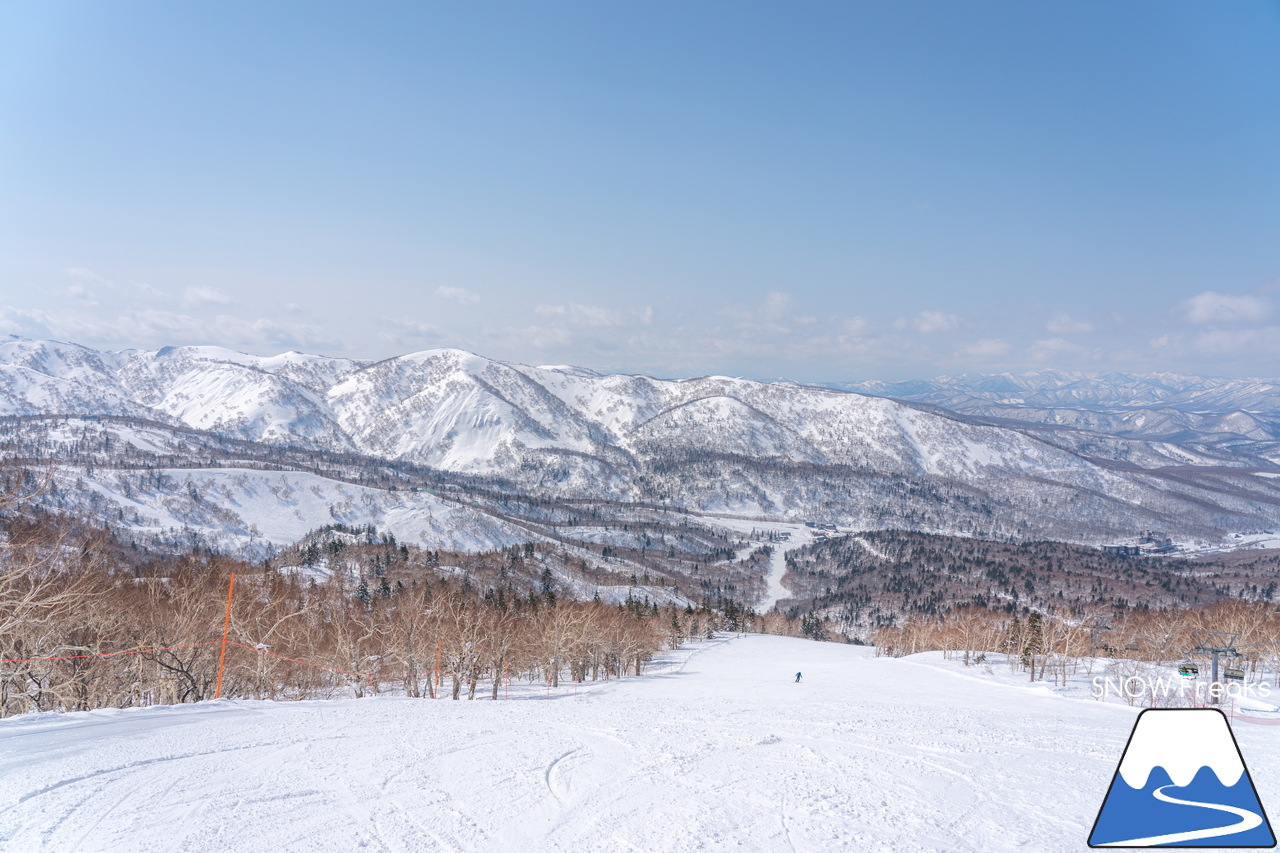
<point>89,619</point>
<point>882,578</point>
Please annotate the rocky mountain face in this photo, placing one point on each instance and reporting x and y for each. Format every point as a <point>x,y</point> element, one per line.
<point>710,444</point>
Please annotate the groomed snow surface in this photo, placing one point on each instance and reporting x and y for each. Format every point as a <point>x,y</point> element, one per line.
<point>715,749</point>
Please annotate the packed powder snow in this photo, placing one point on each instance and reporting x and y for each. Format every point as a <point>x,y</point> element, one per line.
<point>715,748</point>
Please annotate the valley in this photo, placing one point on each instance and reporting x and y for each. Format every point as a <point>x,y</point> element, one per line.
<point>709,486</point>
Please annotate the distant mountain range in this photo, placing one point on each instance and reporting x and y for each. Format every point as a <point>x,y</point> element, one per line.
<point>1053,455</point>
<point>1096,391</point>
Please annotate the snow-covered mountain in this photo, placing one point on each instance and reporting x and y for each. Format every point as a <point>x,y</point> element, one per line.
<point>1231,417</point>
<point>712,444</point>
<point>460,412</point>
<point>1068,389</point>
<point>279,399</point>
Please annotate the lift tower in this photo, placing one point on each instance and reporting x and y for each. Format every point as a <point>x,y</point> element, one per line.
<point>1215,643</point>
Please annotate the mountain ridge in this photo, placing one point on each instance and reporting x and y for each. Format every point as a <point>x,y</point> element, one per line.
<point>1104,391</point>
<point>712,444</point>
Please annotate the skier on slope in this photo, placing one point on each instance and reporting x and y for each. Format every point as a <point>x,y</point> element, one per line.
<point>797,678</point>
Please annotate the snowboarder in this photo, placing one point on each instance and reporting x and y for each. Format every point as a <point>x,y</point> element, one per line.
<point>797,678</point>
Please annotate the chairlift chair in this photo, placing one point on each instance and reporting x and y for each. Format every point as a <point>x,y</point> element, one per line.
<point>1232,674</point>
<point>1131,646</point>
<point>1189,670</point>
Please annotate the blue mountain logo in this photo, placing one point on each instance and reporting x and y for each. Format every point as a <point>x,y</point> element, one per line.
<point>1182,782</point>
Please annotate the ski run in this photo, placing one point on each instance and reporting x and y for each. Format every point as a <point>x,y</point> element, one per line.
<point>715,747</point>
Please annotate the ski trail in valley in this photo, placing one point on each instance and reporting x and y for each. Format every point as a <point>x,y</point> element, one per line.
<point>800,536</point>
<point>871,549</point>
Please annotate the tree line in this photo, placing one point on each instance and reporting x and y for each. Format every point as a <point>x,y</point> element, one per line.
<point>88,621</point>
<point>1049,646</point>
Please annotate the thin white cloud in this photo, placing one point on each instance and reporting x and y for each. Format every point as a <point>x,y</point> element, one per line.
<point>1211,307</point>
<point>543,337</point>
<point>152,292</point>
<point>1063,324</point>
<point>25,323</point>
<point>206,296</point>
<point>772,318</point>
<point>410,333</point>
<point>775,333</point>
<point>777,302</point>
<point>987,348</point>
<point>86,285</point>
<point>82,274</point>
<point>854,326</point>
<point>80,292</point>
<point>458,294</point>
<point>155,327</point>
<point>581,315</point>
<point>771,331</point>
<point>1060,350</point>
<point>1235,342</point>
<point>934,321</point>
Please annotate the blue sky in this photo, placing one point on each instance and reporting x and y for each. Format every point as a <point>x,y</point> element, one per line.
<point>819,191</point>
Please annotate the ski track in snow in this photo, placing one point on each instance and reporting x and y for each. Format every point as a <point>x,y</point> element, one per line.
<point>870,549</point>
<point>715,749</point>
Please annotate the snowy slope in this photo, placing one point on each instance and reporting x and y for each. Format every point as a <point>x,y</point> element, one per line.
<point>719,750</point>
<point>43,377</point>
<point>246,511</point>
